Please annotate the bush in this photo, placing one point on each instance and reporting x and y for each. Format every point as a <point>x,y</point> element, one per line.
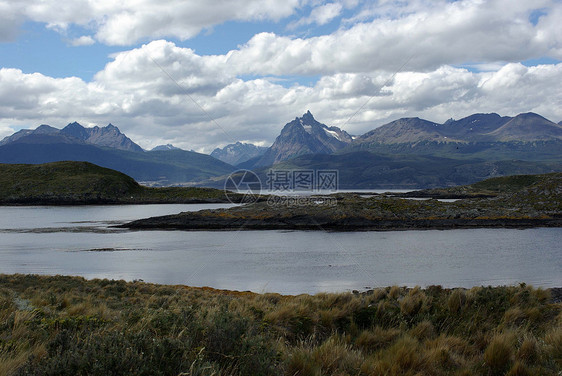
<point>498,355</point>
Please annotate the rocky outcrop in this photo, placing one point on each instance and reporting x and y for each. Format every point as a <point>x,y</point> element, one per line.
<point>537,204</point>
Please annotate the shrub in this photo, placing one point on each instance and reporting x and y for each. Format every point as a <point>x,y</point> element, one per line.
<point>498,355</point>
<point>372,340</point>
<point>553,341</point>
<point>424,330</point>
<point>518,369</point>
<point>456,300</point>
<point>528,352</point>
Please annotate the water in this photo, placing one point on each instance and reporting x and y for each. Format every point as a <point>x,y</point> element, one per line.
<point>79,241</point>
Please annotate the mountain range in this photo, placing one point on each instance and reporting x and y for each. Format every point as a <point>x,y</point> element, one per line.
<point>408,152</point>
<point>526,127</point>
<point>238,152</point>
<point>414,153</point>
<point>109,136</point>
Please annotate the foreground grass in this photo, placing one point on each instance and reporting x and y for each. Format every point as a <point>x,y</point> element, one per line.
<point>71,326</point>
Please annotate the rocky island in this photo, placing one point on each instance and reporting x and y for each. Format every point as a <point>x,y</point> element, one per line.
<point>517,201</point>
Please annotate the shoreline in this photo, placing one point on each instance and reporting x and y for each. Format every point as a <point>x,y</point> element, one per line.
<point>225,291</point>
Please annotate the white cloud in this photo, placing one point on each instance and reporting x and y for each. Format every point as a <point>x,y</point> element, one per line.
<point>127,22</point>
<point>84,40</point>
<point>320,15</point>
<point>451,33</point>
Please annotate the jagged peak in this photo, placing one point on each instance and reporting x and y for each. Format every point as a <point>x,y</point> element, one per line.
<point>307,117</point>
<point>74,124</point>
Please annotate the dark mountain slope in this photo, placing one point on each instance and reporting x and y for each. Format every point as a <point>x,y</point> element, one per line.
<point>527,127</point>
<point>406,130</point>
<point>384,171</point>
<point>473,127</point>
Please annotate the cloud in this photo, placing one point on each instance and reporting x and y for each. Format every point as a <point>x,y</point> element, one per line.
<point>10,20</point>
<point>320,15</point>
<point>450,33</point>
<point>382,36</point>
<point>127,22</point>
<point>84,40</point>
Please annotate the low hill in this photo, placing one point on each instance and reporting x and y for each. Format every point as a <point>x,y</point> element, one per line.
<point>69,182</point>
<point>493,187</point>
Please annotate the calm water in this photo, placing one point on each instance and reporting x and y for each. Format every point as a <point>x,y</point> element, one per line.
<point>79,241</point>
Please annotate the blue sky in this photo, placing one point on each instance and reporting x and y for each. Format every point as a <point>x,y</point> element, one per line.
<point>161,70</point>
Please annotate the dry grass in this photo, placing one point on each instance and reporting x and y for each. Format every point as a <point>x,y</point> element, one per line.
<point>65,325</point>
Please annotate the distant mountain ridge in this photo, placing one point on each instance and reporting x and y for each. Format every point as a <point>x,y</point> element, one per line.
<point>108,136</point>
<point>414,152</point>
<point>238,152</point>
<point>304,135</point>
<point>526,127</point>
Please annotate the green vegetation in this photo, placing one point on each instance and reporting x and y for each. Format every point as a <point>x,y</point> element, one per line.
<point>493,187</point>
<point>85,183</point>
<point>71,326</point>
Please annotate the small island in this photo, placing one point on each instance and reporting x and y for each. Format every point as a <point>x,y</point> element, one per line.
<point>516,201</point>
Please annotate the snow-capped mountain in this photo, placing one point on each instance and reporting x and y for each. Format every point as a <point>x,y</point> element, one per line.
<point>304,135</point>
<point>238,153</point>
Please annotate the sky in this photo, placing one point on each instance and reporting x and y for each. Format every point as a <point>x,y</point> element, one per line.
<point>203,74</point>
